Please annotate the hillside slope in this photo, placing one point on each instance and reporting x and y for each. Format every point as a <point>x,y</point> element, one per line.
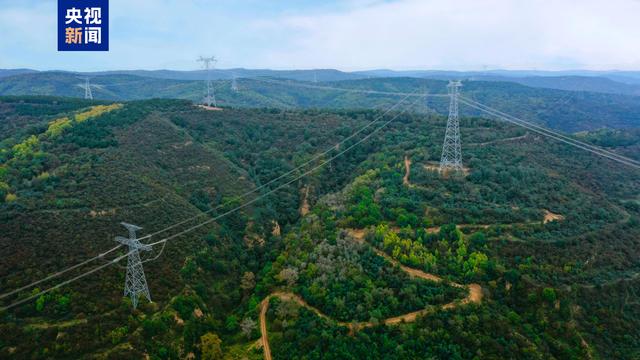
<point>66,184</point>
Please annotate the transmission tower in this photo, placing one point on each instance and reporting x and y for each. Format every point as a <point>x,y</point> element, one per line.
<point>208,64</point>
<point>87,89</point>
<point>234,83</point>
<point>135,284</point>
<point>451,159</point>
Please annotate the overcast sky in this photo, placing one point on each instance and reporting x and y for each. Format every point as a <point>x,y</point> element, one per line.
<point>347,35</point>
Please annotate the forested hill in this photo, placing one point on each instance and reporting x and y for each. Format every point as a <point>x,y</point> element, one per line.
<point>546,234</point>
<point>565,110</point>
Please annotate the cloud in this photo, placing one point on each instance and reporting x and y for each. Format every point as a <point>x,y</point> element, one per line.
<point>349,35</point>
<point>464,34</point>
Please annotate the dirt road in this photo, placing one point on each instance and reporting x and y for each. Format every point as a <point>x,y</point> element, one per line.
<point>407,171</point>
<point>474,296</point>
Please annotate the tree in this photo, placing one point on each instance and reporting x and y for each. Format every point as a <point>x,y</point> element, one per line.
<point>549,294</point>
<point>247,325</point>
<point>288,275</point>
<point>248,281</point>
<point>210,346</point>
<point>40,303</point>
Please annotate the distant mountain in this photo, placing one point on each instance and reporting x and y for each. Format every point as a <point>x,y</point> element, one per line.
<point>567,110</point>
<point>627,83</point>
<point>107,87</point>
<point>225,74</point>
<point>610,82</point>
<point>577,83</point>
<point>11,72</point>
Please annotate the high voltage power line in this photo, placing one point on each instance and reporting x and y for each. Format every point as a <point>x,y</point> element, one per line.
<point>550,133</point>
<point>529,125</point>
<point>362,91</point>
<point>287,183</point>
<point>66,282</point>
<point>165,240</point>
<point>469,102</point>
<point>56,274</point>
<point>314,158</point>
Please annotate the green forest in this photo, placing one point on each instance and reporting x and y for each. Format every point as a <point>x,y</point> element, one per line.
<point>569,111</point>
<point>530,253</point>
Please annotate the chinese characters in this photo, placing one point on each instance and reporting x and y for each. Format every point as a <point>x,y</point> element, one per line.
<point>74,31</point>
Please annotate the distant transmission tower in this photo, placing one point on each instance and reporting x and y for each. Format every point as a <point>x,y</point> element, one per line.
<point>87,89</point>
<point>451,159</point>
<point>234,83</point>
<point>211,97</point>
<point>135,284</point>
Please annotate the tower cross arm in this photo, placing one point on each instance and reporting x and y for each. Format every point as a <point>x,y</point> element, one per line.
<point>133,243</point>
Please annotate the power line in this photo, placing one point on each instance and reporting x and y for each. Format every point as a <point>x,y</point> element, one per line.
<point>165,240</point>
<point>324,87</point>
<point>550,134</point>
<point>376,119</point>
<point>22,301</point>
<point>282,185</point>
<point>596,148</point>
<point>316,157</point>
<point>54,275</point>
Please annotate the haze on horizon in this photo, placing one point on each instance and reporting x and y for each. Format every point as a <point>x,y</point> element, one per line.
<point>345,35</point>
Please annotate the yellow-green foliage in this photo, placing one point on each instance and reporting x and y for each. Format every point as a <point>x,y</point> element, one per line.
<point>96,111</point>
<point>407,251</point>
<point>43,176</point>
<point>56,127</point>
<point>26,148</point>
<point>4,190</point>
<point>11,197</point>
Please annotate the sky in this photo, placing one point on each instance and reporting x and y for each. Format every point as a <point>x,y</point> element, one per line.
<point>347,35</point>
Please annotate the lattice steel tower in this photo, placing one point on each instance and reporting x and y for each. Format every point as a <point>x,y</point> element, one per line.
<point>211,97</point>
<point>234,83</point>
<point>135,284</point>
<point>451,159</point>
<point>87,89</point>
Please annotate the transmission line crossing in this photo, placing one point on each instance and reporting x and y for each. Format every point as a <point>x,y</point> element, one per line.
<point>533,127</point>
<point>552,134</point>
<point>479,106</point>
<point>451,158</point>
<point>165,240</point>
<point>314,158</point>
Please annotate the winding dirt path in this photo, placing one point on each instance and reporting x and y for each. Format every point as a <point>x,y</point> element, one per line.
<point>407,171</point>
<point>304,207</point>
<point>474,296</point>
